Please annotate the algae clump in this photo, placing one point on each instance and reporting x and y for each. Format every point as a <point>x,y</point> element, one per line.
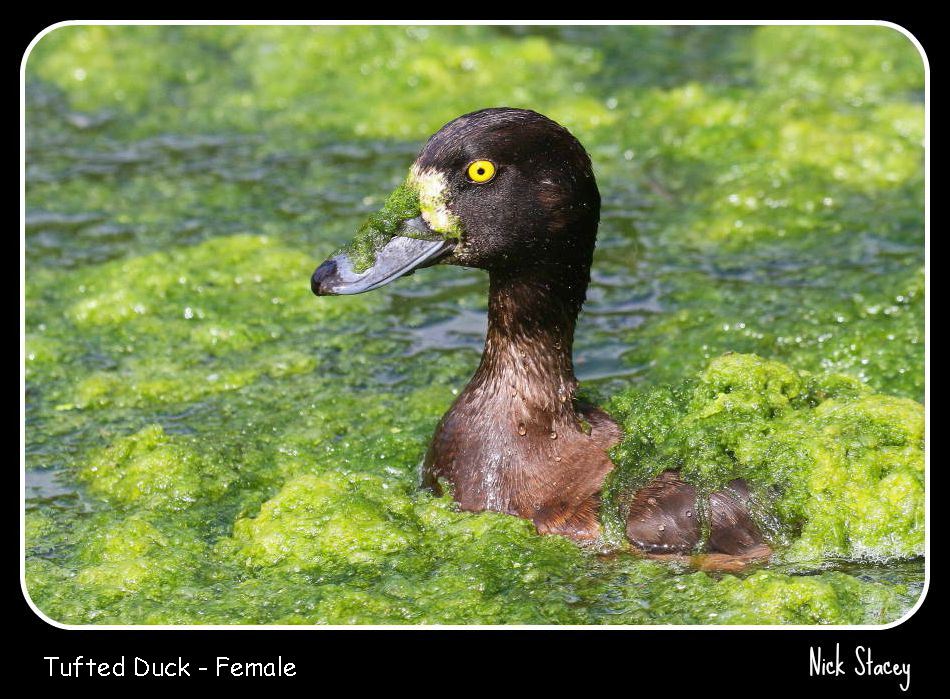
<point>315,522</point>
<point>835,470</point>
<point>134,554</point>
<point>152,470</point>
<point>377,230</point>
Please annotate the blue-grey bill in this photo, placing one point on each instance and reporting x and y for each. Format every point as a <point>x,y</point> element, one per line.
<point>398,257</point>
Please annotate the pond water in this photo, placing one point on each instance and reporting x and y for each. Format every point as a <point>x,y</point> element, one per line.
<point>207,442</point>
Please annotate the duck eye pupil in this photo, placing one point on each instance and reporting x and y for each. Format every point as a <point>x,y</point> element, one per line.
<point>481,171</point>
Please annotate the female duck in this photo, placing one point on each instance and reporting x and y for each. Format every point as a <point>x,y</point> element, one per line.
<point>512,192</point>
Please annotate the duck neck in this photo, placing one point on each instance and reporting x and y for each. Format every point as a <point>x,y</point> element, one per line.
<point>531,317</point>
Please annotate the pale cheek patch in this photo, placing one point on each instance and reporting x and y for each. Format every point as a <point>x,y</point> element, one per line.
<point>433,201</point>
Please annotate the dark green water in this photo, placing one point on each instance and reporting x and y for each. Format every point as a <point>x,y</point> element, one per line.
<point>209,443</point>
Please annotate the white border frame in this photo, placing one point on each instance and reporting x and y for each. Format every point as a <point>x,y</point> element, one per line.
<point>605,627</point>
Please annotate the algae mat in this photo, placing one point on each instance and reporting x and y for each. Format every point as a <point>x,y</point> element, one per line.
<point>209,443</point>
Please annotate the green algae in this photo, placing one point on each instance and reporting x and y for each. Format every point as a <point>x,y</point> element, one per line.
<point>193,299</point>
<point>300,528</point>
<point>378,229</point>
<point>765,597</point>
<point>374,81</point>
<point>873,332</point>
<point>134,556</point>
<point>838,471</point>
<point>238,451</point>
<point>344,544</point>
<point>149,470</point>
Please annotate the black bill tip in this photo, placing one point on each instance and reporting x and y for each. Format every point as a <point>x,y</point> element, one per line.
<point>322,280</point>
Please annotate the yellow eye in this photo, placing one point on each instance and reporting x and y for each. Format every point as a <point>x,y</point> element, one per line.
<point>481,171</point>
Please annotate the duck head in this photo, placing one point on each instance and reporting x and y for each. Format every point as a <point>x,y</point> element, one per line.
<point>497,189</point>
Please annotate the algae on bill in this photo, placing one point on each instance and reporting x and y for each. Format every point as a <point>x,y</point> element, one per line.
<point>422,194</point>
<point>207,442</point>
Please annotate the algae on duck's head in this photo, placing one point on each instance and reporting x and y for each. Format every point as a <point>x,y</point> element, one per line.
<point>421,194</point>
<point>434,201</point>
<point>402,204</point>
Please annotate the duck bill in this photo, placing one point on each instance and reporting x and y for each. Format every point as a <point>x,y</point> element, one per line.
<point>397,257</point>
